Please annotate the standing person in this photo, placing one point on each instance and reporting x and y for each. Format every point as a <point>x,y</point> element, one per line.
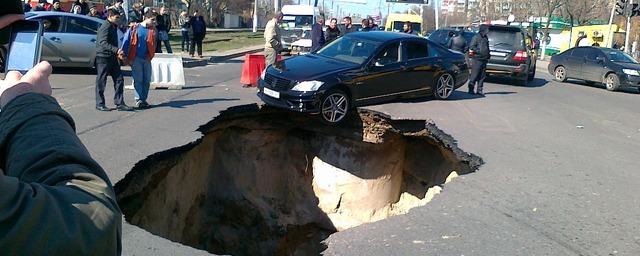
<point>332,31</point>
<point>348,26</point>
<point>372,24</point>
<point>273,43</point>
<point>198,32</point>
<point>163,26</point>
<point>139,46</point>
<point>84,7</point>
<point>365,26</point>
<point>26,7</point>
<point>40,6</point>
<point>76,9</point>
<point>122,22</point>
<point>56,6</point>
<point>317,35</point>
<point>407,28</point>
<point>93,12</point>
<point>135,14</point>
<point>457,43</point>
<point>184,24</point>
<point>107,55</point>
<point>480,54</point>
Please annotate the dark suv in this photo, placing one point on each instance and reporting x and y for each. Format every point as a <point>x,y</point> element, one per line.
<point>512,53</point>
<point>441,36</point>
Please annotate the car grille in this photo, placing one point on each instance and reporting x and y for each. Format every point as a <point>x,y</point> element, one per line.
<point>277,83</point>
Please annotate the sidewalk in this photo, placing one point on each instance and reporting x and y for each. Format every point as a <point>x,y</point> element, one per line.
<point>216,56</point>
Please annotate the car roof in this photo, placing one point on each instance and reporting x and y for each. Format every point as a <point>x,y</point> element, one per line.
<point>504,27</point>
<point>380,36</point>
<point>34,14</point>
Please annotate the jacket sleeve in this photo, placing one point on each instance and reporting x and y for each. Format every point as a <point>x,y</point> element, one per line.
<point>126,41</point>
<point>103,38</point>
<point>450,43</point>
<point>474,44</point>
<point>54,198</point>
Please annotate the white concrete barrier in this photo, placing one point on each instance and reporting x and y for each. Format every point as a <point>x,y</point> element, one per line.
<point>166,72</point>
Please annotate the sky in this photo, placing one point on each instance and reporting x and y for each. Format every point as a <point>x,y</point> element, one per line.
<point>370,8</point>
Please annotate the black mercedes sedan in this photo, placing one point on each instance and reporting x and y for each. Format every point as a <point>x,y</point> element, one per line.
<point>613,68</point>
<point>359,69</point>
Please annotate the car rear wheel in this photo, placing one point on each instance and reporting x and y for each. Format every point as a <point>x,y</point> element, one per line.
<point>612,82</point>
<point>444,87</point>
<point>560,74</point>
<point>334,107</point>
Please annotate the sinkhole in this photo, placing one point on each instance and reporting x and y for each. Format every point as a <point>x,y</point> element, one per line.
<point>262,181</point>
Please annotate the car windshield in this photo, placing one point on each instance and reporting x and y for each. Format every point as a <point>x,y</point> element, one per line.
<point>349,49</point>
<point>505,39</point>
<point>297,21</point>
<point>618,56</point>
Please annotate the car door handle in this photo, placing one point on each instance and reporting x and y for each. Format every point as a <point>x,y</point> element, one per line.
<point>55,39</point>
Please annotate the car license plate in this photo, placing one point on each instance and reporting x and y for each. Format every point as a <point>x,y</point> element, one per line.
<point>499,54</point>
<point>271,93</point>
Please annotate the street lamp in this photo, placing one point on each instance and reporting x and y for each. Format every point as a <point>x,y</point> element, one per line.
<point>255,16</point>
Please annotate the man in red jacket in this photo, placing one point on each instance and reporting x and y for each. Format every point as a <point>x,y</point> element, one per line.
<point>139,46</point>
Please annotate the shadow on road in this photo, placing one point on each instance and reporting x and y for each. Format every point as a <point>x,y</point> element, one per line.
<point>537,82</point>
<point>185,103</point>
<point>82,71</point>
<point>228,61</point>
<point>196,87</point>
<point>601,86</point>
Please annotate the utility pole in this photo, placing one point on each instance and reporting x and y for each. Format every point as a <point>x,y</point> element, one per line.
<point>255,16</point>
<point>435,2</point>
<point>628,30</point>
<point>609,42</point>
<point>276,4</point>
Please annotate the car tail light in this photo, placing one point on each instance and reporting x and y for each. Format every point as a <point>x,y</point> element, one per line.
<point>521,56</point>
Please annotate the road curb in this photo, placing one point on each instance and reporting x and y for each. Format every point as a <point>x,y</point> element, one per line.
<point>214,59</point>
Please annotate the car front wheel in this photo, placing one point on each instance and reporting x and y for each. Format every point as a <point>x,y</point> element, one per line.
<point>560,74</point>
<point>444,87</point>
<point>334,106</point>
<point>612,82</point>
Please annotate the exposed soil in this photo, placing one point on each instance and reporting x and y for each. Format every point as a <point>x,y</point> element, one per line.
<point>268,182</point>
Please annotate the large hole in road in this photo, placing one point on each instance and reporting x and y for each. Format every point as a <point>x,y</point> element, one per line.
<point>268,182</point>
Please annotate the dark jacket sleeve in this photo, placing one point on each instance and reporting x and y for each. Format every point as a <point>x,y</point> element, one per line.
<point>474,44</point>
<point>450,43</point>
<point>103,38</point>
<point>54,198</point>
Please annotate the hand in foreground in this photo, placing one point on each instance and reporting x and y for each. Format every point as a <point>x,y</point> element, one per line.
<point>15,84</point>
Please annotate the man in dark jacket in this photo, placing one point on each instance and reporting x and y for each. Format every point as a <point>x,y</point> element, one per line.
<point>457,42</point>
<point>348,26</point>
<point>480,54</point>
<point>54,198</point>
<point>317,35</point>
<point>107,62</point>
<point>163,26</point>
<point>333,32</point>
<point>84,6</point>
<point>407,28</point>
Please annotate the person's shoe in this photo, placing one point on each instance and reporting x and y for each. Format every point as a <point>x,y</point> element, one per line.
<point>124,107</point>
<point>103,108</point>
<point>200,56</point>
<point>480,93</point>
<point>471,92</point>
<point>145,105</point>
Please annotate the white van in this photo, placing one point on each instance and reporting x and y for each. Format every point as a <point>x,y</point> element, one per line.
<point>296,25</point>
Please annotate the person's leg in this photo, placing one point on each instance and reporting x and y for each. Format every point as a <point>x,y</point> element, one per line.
<point>137,71</point>
<point>167,44</point>
<point>269,56</point>
<point>185,39</point>
<point>200,46</point>
<point>158,44</point>
<point>481,77</point>
<point>101,80</point>
<point>193,46</point>
<point>473,78</point>
<point>147,80</point>
<point>118,82</point>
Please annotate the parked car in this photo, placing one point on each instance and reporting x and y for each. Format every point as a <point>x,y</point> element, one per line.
<point>362,68</point>
<point>441,36</point>
<point>613,68</point>
<point>513,53</point>
<point>69,39</point>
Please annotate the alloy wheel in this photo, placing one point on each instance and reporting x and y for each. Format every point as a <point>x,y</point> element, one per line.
<point>335,107</point>
<point>444,86</point>
<point>560,74</point>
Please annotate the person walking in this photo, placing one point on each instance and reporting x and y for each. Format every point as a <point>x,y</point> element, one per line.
<point>348,26</point>
<point>457,42</point>
<point>332,31</point>
<point>107,63</point>
<point>183,22</point>
<point>480,54</point>
<point>407,28</point>
<point>273,43</point>
<point>317,35</point>
<point>163,27</point>
<point>198,32</point>
<point>139,46</point>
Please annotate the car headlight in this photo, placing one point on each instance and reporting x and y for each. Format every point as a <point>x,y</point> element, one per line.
<point>307,86</point>
<point>264,72</point>
<point>631,72</point>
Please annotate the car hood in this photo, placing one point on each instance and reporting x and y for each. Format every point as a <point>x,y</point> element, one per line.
<point>634,66</point>
<point>308,67</point>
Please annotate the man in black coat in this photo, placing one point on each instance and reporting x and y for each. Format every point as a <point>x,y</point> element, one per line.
<point>317,35</point>
<point>480,54</point>
<point>457,42</point>
<point>107,63</point>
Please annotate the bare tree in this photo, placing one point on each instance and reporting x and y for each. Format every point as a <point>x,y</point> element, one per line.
<point>581,12</point>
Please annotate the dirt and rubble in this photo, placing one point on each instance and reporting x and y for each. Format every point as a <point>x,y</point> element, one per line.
<point>262,181</point>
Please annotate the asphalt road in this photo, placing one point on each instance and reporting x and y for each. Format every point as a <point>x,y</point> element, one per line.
<point>561,174</point>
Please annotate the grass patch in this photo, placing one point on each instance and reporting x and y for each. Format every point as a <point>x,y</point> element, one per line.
<point>221,41</point>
